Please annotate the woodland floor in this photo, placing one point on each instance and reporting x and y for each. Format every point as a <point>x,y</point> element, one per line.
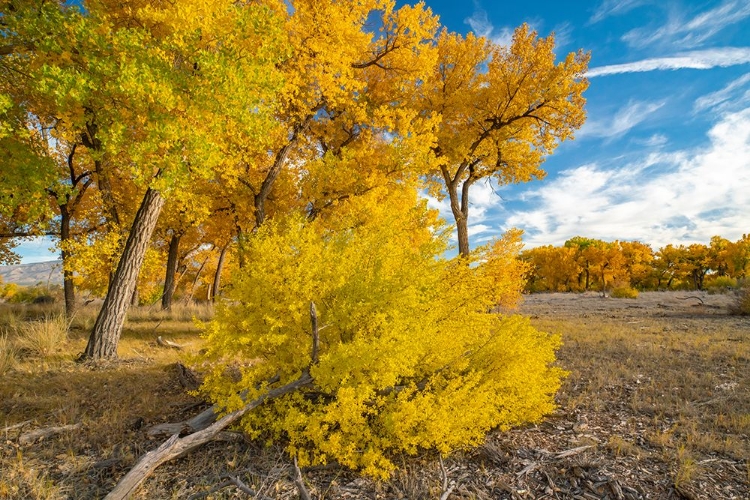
<point>656,406</point>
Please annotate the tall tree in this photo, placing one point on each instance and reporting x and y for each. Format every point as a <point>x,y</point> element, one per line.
<point>500,111</point>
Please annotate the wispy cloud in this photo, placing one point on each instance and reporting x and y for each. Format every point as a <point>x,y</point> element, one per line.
<point>482,26</point>
<point>614,8</point>
<point>626,118</point>
<point>679,197</point>
<point>737,92</point>
<point>698,59</point>
<point>692,32</point>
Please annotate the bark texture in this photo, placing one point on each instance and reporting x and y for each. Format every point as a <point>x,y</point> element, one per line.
<point>219,269</point>
<point>108,327</point>
<point>169,278</point>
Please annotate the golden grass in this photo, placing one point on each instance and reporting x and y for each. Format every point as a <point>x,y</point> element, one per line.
<point>44,337</point>
<point>687,379</point>
<point>8,354</point>
<point>681,385</point>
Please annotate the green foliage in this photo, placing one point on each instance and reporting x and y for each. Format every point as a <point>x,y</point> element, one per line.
<point>721,284</point>
<point>624,292</point>
<point>410,356</point>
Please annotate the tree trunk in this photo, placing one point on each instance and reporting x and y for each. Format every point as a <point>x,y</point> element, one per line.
<point>460,209</point>
<point>462,228</point>
<point>108,327</point>
<point>217,275</point>
<point>169,279</point>
<point>135,299</point>
<point>68,288</point>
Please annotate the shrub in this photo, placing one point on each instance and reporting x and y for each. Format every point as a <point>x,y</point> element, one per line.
<point>624,292</point>
<point>721,284</point>
<point>741,303</point>
<point>410,356</point>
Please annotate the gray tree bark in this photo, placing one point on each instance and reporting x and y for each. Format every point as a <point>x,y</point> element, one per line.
<point>169,278</point>
<point>108,327</point>
<point>217,275</point>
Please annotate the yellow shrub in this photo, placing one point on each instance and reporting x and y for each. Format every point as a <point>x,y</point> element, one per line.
<point>624,292</point>
<point>411,357</point>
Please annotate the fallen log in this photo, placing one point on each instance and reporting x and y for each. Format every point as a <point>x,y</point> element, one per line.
<point>39,434</point>
<point>177,446</point>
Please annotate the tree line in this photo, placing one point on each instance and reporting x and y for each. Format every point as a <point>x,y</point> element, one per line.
<point>583,264</point>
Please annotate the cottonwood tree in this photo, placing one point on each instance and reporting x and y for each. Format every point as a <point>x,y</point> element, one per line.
<point>343,89</point>
<point>149,89</point>
<point>499,111</point>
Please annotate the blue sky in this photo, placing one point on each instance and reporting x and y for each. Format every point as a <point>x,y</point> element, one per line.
<point>665,154</point>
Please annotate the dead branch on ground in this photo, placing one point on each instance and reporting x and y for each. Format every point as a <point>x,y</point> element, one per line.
<point>177,446</point>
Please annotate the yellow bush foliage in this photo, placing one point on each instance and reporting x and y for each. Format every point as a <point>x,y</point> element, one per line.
<point>411,356</point>
<point>624,292</point>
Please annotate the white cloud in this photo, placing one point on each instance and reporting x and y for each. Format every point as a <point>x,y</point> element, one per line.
<point>563,34</point>
<point>725,97</point>
<point>682,32</point>
<point>626,118</point>
<point>699,59</point>
<point>614,8</point>
<point>679,197</point>
<point>482,26</point>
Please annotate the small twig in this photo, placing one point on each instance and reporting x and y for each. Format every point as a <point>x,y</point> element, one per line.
<point>572,451</point>
<point>299,481</point>
<point>447,490</point>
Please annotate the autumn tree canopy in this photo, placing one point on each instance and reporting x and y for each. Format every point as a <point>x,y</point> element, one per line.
<point>498,112</point>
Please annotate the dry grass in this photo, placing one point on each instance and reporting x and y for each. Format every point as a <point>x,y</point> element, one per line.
<point>8,354</point>
<point>661,396</point>
<point>44,337</point>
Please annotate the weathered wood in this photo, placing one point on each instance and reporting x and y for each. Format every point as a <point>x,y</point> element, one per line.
<point>168,343</point>
<point>39,434</point>
<point>299,481</point>
<point>176,446</point>
<point>195,424</point>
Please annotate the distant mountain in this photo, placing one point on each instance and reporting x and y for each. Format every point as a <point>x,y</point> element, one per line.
<point>31,274</point>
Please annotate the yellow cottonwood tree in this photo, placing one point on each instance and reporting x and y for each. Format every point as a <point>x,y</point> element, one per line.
<point>499,112</point>
<point>150,90</point>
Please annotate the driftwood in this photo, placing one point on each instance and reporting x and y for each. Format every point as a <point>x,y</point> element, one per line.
<point>39,434</point>
<point>177,446</point>
<point>168,343</point>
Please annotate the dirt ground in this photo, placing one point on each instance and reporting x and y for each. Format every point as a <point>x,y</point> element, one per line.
<point>656,406</point>
<point>617,433</point>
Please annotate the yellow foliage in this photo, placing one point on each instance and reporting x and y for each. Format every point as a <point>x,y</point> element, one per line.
<point>624,292</point>
<point>408,337</point>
